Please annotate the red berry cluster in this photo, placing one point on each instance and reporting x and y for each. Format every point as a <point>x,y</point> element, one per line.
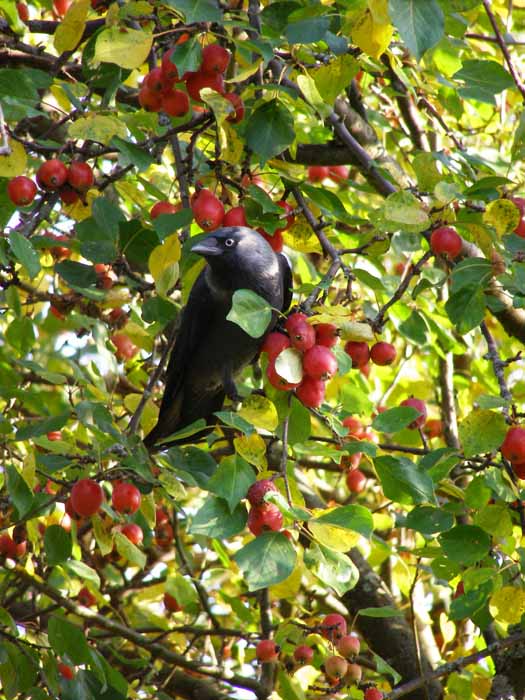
<point>319,363</point>
<point>263,516</point>
<point>513,449</point>
<point>337,173</point>
<point>53,175</point>
<point>381,353</point>
<point>158,92</point>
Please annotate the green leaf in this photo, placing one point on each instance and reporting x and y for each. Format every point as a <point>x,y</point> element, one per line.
<point>333,78</point>
<point>482,431</point>
<point>131,154</point>
<point>403,481</point>
<point>470,602</point>
<point>419,22</point>
<point>472,272</point>
<point>334,569</point>
<point>264,200</point>
<point>266,560</point>
<point>352,517</point>
<point>429,520</point>
<point>129,551</point>
<point>197,10</point>
<point>465,544</point>
<point>41,427</point>
<point>466,308</point>
<point>495,519</point>
<point>403,211</point>
<point>415,328</point>
<point>308,30</point>
<point>97,244</point>
<point>232,480</point>
<point>251,312</point>
<point>328,202</point>
<point>21,334</point>
<point>67,639</point>
<point>18,671</point>
<point>384,668</point>
<point>25,253</point>
<point>289,365</point>
<point>77,274</point>
<point>57,544</point>
<point>482,80</point>
<point>270,130</point>
<point>19,492</point>
<point>299,423</point>
<point>383,612</point>
<point>394,419</point>
<point>166,224</point>
<point>108,216</point>
<point>214,519</point>
<point>82,571</point>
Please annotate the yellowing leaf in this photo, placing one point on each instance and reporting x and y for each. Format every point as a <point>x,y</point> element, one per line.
<point>232,148</point>
<point>353,330</point>
<point>15,162</point>
<point>259,411</point>
<point>97,127</point>
<point>481,686</point>
<point>503,215</point>
<point>246,72</point>
<point>80,211</point>
<point>163,264</point>
<point>220,106</point>
<point>332,79</point>
<point>334,537</point>
<point>70,29</point>
<point>128,48</point>
<point>291,585</point>
<point>301,237</point>
<point>508,605</point>
<point>311,92</point>
<point>372,37</point>
<point>150,412</point>
<point>379,11</point>
<point>138,335</point>
<point>252,448</point>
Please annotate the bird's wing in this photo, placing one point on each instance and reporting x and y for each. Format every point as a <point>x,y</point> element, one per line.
<point>286,274</point>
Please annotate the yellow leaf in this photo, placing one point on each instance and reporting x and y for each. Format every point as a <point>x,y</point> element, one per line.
<point>232,148</point>
<point>353,330</point>
<point>15,162</point>
<point>29,470</point>
<point>220,106</point>
<point>481,687</point>
<point>138,335</point>
<point>301,237</point>
<point>252,448</point>
<point>70,29</point>
<point>163,264</point>
<point>337,538</point>
<point>291,585</point>
<point>372,37</point>
<point>150,412</point>
<point>259,411</point>
<point>80,211</point>
<point>503,215</point>
<point>246,72</point>
<point>97,127</point>
<point>508,605</point>
<point>447,627</point>
<point>128,48</point>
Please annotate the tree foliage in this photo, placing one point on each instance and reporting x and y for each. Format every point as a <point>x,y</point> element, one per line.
<point>375,124</point>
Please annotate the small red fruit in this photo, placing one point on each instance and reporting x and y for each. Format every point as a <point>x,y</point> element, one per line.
<point>125,498</point>
<point>171,604</point>
<point>355,480</point>
<point>208,210</point>
<point>68,195</point>
<point>348,646</point>
<point>80,176</point>
<point>125,347</point>
<point>149,100</point>
<point>7,546</point>
<point>164,535</point>
<point>354,425</point>
<point>133,532</point>
<point>276,380</point>
<point>275,240</point>
<point>235,217</point>
<point>195,82</point>
<point>373,694</point>
<point>383,354</point>
<point>434,428</point>
<point>358,351</point>
<point>274,344</point>
<point>21,190</point>
<point>267,651</point>
<point>513,447</point>
<point>154,80</point>
<point>163,207</point>
<point>326,334</point>
<point>161,516</point>
<point>420,406</point>
<point>264,518</point>
<point>176,103</point>
<point>519,469</point>
<point>215,59</point>
<point>335,667</point>
<point>520,228</point>
<point>333,627</point>
<point>86,598</point>
<point>169,69</point>
<point>70,511</point>
<point>66,671</point>
<point>317,173</point>
<point>460,590</point>
<point>258,490</point>
<point>302,334</point>
<point>303,654</point>
<point>338,173</point>
<point>23,11</point>
<point>319,363</point>
<point>59,252</point>
<point>354,673</point>
<point>61,6</point>
<point>54,435</point>
<point>86,497</point>
<point>310,392</point>
<point>446,241</point>
<point>237,115</point>
<point>52,174</point>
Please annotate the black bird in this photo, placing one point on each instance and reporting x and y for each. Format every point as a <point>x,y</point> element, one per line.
<point>210,350</point>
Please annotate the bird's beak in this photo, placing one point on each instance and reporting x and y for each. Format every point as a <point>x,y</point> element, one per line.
<point>209,247</point>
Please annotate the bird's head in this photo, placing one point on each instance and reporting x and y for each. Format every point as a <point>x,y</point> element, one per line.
<point>237,249</point>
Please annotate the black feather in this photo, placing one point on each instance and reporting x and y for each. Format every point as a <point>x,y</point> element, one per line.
<point>210,350</point>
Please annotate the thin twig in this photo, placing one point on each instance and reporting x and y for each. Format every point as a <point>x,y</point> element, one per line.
<point>498,366</point>
<point>504,48</point>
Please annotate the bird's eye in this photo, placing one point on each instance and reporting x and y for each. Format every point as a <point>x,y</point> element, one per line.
<point>229,242</point>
